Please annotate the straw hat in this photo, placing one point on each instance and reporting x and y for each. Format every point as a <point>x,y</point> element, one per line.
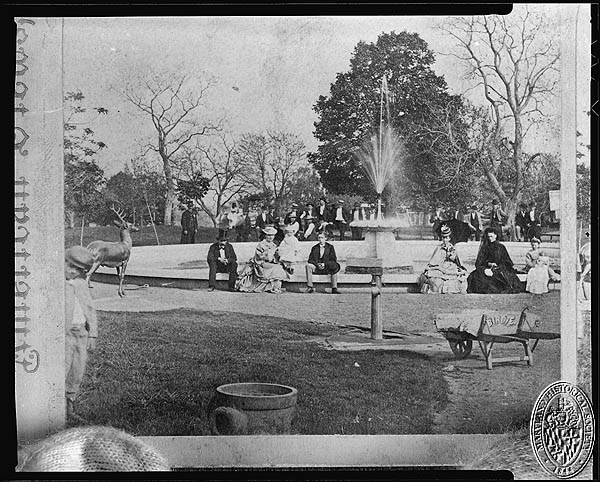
<point>446,231</point>
<point>269,230</point>
<point>91,449</point>
<point>79,257</point>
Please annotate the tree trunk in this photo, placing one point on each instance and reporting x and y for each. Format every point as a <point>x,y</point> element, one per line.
<point>511,211</point>
<point>171,197</point>
<point>170,203</point>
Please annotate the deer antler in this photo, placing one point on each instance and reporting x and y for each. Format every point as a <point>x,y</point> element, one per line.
<point>118,213</point>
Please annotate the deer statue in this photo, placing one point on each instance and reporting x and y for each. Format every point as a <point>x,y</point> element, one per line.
<point>113,254</point>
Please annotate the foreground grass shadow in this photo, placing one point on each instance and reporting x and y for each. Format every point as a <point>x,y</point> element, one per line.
<point>155,374</point>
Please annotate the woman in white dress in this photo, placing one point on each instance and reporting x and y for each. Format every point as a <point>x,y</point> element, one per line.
<point>444,272</point>
<point>263,272</point>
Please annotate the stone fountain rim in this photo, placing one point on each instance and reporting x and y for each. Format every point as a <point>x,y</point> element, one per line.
<point>375,226</point>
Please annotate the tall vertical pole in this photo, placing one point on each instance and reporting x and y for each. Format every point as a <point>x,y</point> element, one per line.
<point>376,318</point>
<point>39,230</point>
<point>568,194</point>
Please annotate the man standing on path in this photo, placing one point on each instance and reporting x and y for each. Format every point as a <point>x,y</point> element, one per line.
<point>189,225</point>
<point>221,258</point>
<point>81,324</point>
<point>322,260</point>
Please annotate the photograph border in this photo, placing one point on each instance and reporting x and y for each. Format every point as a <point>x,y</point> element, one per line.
<point>401,449</point>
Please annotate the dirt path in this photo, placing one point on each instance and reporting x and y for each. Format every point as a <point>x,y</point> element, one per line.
<point>481,400</point>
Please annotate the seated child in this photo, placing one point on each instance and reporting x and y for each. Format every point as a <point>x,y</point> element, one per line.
<point>538,269</point>
<point>289,249</point>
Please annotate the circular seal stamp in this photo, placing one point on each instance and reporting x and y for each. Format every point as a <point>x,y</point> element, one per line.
<point>562,429</point>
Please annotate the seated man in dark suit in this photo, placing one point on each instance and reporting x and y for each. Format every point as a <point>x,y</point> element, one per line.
<point>221,258</point>
<point>322,260</point>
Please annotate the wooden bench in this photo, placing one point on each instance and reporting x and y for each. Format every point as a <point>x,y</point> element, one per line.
<point>494,327</point>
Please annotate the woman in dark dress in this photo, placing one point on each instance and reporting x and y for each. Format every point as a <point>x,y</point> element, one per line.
<point>494,271</point>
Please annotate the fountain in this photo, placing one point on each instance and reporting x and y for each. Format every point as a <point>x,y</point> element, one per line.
<point>380,157</point>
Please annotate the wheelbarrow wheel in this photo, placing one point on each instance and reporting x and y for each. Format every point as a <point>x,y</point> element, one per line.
<point>461,348</point>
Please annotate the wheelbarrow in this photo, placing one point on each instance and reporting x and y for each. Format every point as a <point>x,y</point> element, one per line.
<point>489,328</point>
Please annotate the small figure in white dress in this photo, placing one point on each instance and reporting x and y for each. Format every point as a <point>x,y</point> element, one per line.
<point>539,272</point>
<point>289,249</point>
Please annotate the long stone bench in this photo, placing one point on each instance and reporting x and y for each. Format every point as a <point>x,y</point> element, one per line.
<point>185,265</point>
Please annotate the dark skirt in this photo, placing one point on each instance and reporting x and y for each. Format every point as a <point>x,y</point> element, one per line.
<point>503,281</point>
<point>188,238</point>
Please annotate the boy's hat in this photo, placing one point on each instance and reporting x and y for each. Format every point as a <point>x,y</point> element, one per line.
<point>79,257</point>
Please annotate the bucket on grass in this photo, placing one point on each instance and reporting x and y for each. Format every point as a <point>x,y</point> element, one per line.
<point>253,409</point>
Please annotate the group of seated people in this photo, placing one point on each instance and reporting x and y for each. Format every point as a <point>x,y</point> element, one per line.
<point>272,262</point>
<point>313,219</point>
<point>467,223</point>
<point>494,270</point>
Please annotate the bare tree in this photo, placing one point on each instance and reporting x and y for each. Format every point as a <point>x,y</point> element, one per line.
<point>218,161</point>
<point>173,102</point>
<point>514,63</point>
<point>272,162</point>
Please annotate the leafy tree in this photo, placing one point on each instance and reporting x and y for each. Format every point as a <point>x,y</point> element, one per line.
<point>192,190</point>
<point>83,177</point>
<point>136,191</point>
<point>306,188</point>
<point>418,110</point>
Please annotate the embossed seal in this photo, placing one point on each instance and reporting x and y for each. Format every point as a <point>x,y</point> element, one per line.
<point>562,429</point>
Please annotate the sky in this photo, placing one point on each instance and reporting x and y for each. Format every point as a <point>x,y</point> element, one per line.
<point>270,71</point>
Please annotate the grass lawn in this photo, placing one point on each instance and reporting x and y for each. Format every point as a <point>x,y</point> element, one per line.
<point>156,373</point>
